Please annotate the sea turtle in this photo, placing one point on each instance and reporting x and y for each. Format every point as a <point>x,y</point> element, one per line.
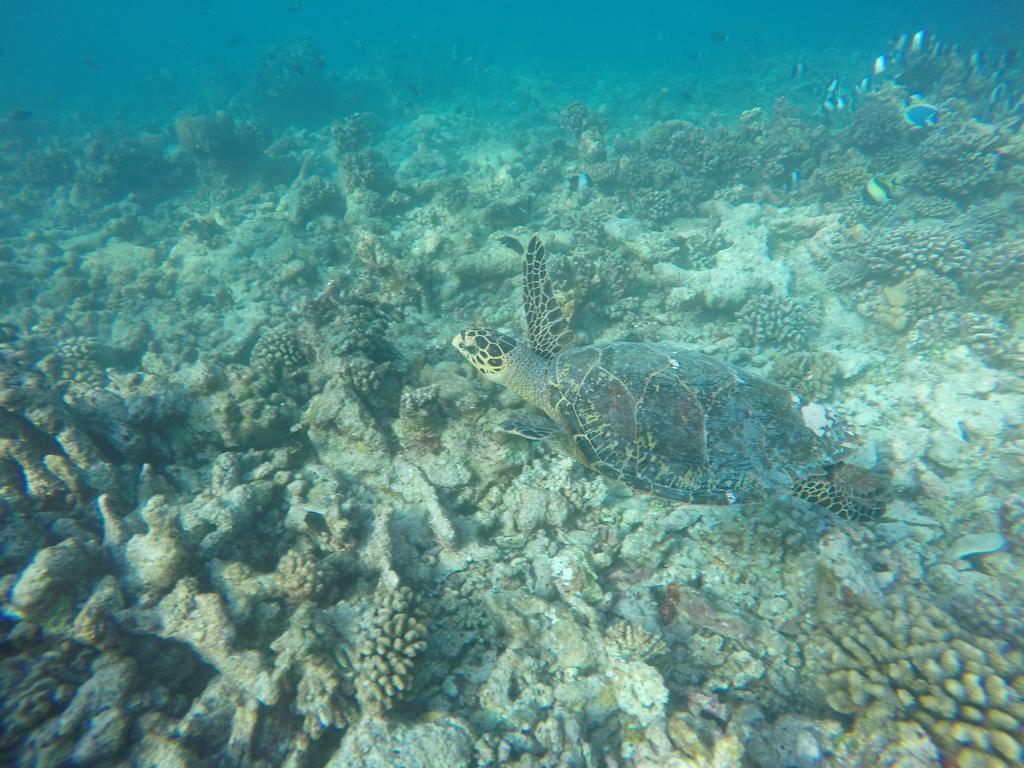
<point>665,420</point>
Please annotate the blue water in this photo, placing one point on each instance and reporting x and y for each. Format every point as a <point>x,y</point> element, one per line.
<point>147,59</point>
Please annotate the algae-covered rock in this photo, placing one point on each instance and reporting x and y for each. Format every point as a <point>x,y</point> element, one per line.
<point>432,741</point>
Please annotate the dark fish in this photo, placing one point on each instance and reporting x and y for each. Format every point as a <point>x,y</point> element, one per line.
<point>90,62</point>
<point>293,7</point>
<point>19,115</point>
<point>718,36</point>
<point>316,522</point>
<point>235,41</point>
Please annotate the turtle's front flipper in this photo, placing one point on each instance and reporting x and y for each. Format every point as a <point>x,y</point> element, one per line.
<point>851,492</point>
<point>534,426</point>
<point>545,320</point>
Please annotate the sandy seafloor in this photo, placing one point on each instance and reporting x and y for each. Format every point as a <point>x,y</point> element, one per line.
<point>255,512</point>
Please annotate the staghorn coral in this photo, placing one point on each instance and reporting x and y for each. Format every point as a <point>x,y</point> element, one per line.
<point>904,250</point>
<point>776,319</point>
<point>393,637</point>
<point>813,375</point>
<point>909,660</point>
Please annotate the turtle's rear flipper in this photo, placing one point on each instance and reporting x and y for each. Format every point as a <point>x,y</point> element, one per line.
<point>851,492</point>
<point>535,426</point>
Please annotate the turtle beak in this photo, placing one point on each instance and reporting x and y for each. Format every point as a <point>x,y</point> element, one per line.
<point>459,343</point>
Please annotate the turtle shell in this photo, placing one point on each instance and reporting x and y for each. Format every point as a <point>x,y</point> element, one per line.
<point>685,426</point>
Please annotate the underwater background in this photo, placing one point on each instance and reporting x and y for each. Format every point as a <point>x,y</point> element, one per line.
<point>254,507</point>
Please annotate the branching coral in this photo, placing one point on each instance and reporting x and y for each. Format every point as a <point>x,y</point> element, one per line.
<point>575,117</point>
<point>777,319</point>
<point>814,375</point>
<point>281,351</point>
<point>909,660</point>
<point>78,361</point>
<point>903,250</point>
<point>393,637</point>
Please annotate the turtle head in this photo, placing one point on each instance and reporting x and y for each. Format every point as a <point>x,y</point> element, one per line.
<point>490,352</point>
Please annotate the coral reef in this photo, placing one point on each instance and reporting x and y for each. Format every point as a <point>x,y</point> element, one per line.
<point>393,636</point>
<point>909,660</point>
<point>281,351</point>
<point>904,250</point>
<point>776,319</point>
<point>813,375</point>
<point>255,512</point>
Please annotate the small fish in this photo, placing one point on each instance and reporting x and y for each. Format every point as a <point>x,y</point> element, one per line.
<point>718,36</point>
<point>841,101</point>
<point>19,115</point>
<point>578,182</point>
<point>920,114</point>
<point>976,59</point>
<point>833,85</point>
<point>293,7</point>
<point>880,64</point>
<point>800,69</point>
<point>880,189</point>
<point>864,86</point>
<point>917,41</point>
<point>828,105</point>
<point>235,41</point>
<point>998,94</point>
<point>901,42</point>
<point>316,522</point>
<point>794,181</point>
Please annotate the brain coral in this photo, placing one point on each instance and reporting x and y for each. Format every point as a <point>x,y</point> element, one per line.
<point>911,661</point>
